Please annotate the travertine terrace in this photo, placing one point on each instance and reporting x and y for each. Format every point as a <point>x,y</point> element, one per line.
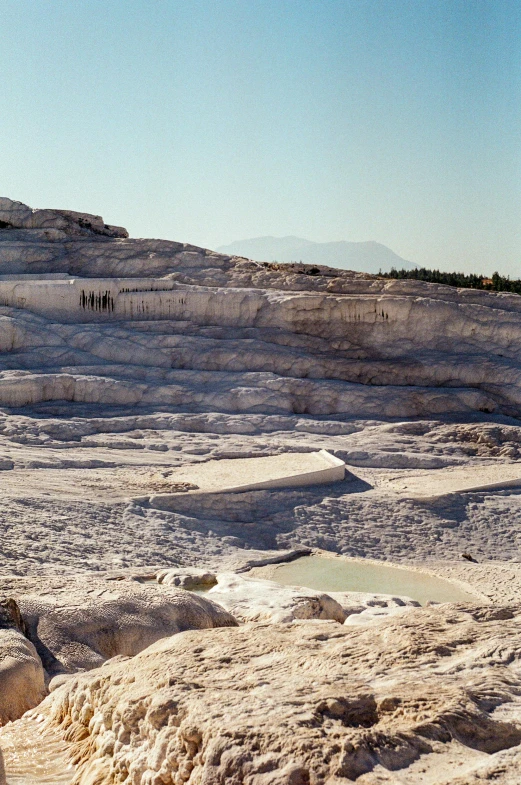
<point>92,316</point>
<point>125,365</point>
<point>126,362</point>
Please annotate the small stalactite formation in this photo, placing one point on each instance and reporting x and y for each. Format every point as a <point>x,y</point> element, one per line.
<point>141,289</point>
<point>97,301</point>
<point>147,308</point>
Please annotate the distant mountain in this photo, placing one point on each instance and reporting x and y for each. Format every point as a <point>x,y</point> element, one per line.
<point>368,257</point>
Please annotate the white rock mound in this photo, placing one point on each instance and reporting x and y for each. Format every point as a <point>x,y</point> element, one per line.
<point>56,223</point>
<point>254,599</point>
<point>186,578</point>
<point>82,626</point>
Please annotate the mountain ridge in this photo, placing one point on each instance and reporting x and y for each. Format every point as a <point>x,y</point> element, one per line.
<point>368,256</point>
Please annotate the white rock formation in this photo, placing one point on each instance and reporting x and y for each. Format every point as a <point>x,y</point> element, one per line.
<point>55,223</point>
<point>188,578</point>
<point>249,599</point>
<point>22,678</point>
<point>289,470</point>
<point>153,322</point>
<point>136,358</point>
<point>308,702</point>
<point>78,624</point>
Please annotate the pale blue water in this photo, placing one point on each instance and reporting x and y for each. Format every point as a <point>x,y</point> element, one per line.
<point>324,574</point>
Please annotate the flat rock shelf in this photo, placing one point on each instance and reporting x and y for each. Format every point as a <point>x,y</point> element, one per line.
<point>290,470</point>
<point>444,482</point>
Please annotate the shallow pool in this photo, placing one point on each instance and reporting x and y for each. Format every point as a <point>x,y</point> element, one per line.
<point>325,574</point>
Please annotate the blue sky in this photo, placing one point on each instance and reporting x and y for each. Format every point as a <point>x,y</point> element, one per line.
<point>209,121</point>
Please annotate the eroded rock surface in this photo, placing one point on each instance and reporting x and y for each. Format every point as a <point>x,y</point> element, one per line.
<point>306,703</point>
<point>250,599</point>
<point>51,225</point>
<point>187,578</point>
<point>122,360</point>
<point>79,623</point>
<point>22,677</point>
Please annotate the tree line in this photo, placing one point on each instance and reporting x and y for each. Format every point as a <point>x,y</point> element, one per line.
<point>497,283</point>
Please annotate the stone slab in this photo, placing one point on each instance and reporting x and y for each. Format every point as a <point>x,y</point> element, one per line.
<point>432,484</point>
<point>290,470</point>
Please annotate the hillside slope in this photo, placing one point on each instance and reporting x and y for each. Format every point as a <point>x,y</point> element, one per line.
<point>91,316</point>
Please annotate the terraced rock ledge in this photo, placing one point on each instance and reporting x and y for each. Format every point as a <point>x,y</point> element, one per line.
<point>136,378</point>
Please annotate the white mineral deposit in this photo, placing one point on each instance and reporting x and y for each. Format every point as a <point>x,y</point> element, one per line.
<point>175,425</point>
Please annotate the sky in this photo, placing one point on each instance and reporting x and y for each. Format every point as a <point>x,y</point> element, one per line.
<point>208,121</point>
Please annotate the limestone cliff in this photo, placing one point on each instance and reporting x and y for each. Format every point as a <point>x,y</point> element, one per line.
<point>89,315</point>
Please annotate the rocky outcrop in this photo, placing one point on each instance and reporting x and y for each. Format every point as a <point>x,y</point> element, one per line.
<point>52,225</point>
<point>79,625</point>
<point>250,599</point>
<point>305,703</point>
<point>134,358</point>
<point>188,578</point>
<point>22,682</point>
<point>103,319</point>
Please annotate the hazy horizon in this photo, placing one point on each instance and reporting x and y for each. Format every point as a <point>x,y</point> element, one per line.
<point>346,120</point>
<point>367,257</point>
